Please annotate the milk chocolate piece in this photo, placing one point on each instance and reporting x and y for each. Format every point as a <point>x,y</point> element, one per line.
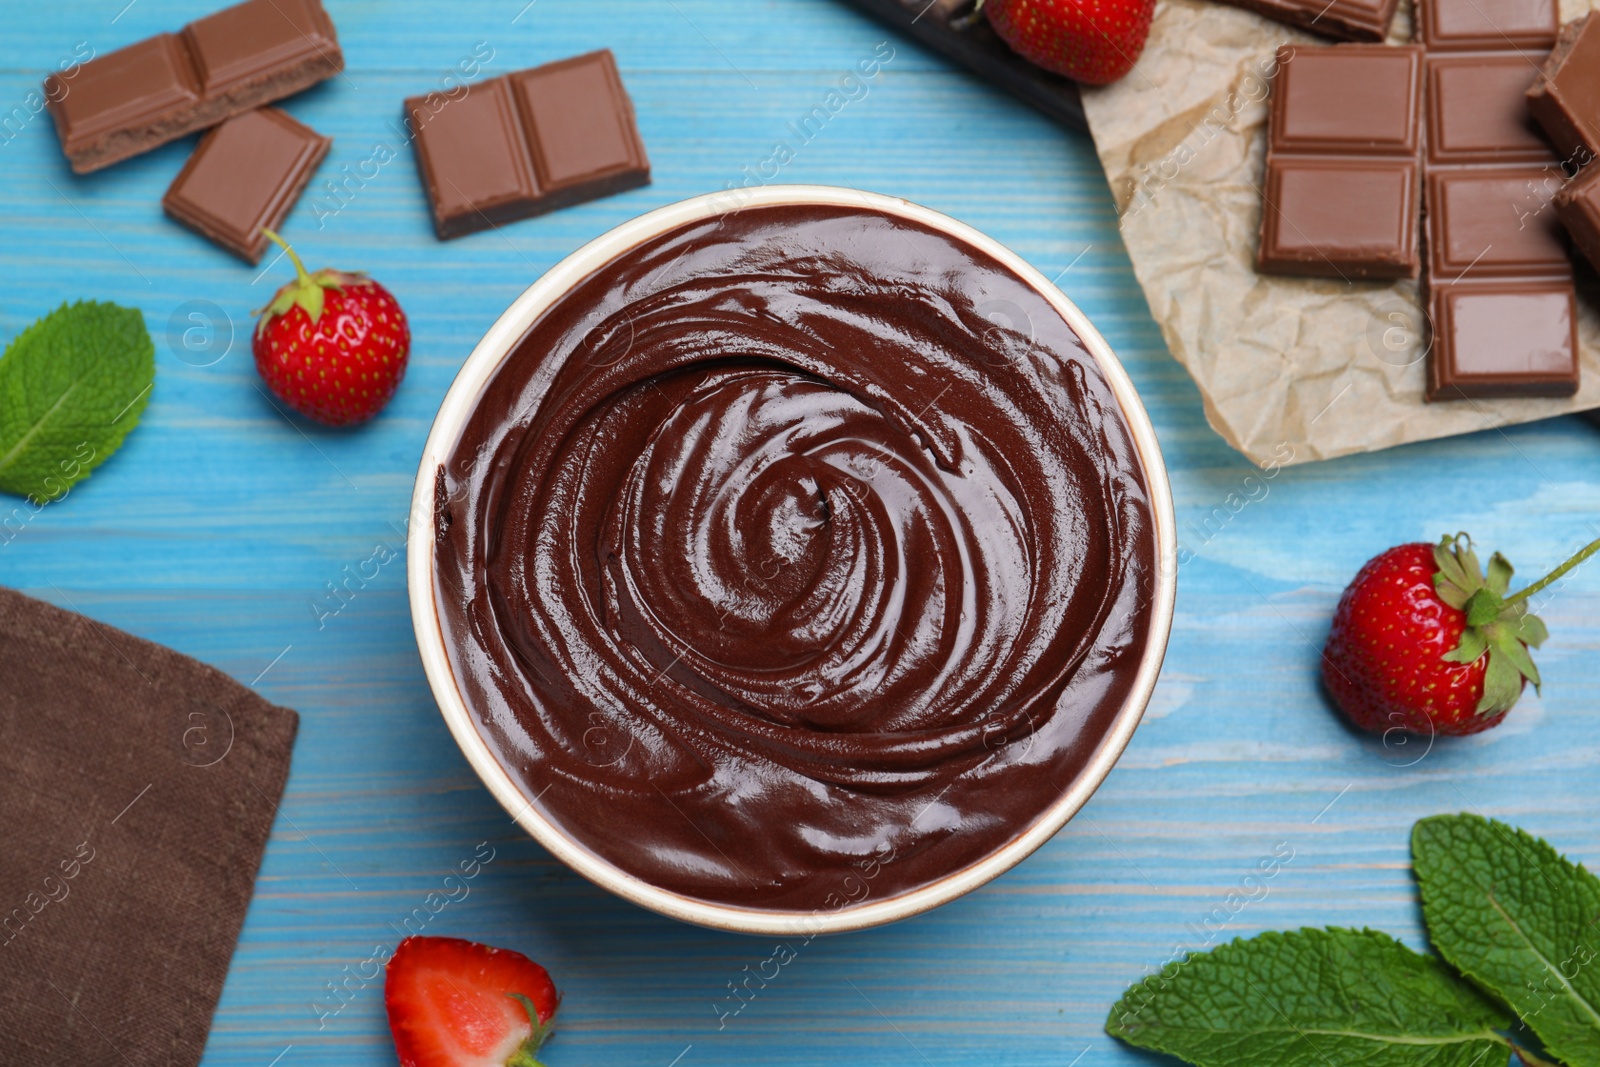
<point>1340,218</point>
<point>1515,26</point>
<point>1490,223</point>
<point>1565,99</point>
<point>526,143</point>
<point>1498,285</point>
<point>1500,291</point>
<point>1578,206</point>
<point>1343,20</point>
<point>245,175</point>
<point>1341,197</point>
<point>157,90</point>
<point>1476,110</point>
<point>1514,339</point>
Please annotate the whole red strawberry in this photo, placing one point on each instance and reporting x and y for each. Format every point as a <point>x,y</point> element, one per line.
<point>332,345</point>
<point>455,1003</point>
<point>1423,642</point>
<point>1092,41</point>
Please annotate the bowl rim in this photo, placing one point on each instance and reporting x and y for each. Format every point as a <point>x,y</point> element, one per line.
<point>458,404</point>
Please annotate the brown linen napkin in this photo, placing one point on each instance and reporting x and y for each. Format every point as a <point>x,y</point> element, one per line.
<point>137,789</point>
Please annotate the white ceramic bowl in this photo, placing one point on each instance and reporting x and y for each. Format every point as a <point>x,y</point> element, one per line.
<point>458,406</point>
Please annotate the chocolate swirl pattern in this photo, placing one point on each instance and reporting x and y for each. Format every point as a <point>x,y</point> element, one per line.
<point>773,547</point>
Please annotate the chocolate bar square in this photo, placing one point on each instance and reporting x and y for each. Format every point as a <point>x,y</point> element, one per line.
<point>1487,25</point>
<point>581,127</point>
<point>1340,217</point>
<point>136,98</point>
<point>245,175</point>
<point>1350,98</point>
<point>1476,111</point>
<point>259,43</point>
<point>474,158</point>
<point>113,98</point>
<point>1503,340</point>
<point>1565,99</point>
<point>1341,198</point>
<point>526,143</point>
<point>1492,224</point>
<point>1578,207</point>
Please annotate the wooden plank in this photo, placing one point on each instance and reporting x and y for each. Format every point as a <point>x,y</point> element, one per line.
<point>218,527</point>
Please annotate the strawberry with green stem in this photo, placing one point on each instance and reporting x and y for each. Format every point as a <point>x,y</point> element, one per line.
<point>333,344</point>
<point>1424,641</point>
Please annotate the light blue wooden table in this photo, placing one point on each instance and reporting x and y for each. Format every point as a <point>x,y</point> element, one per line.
<point>219,526</point>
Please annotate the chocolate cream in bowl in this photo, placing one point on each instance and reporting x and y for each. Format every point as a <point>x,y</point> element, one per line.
<point>791,544</point>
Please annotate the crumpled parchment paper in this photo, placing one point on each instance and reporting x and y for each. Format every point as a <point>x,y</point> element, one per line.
<point>1290,369</point>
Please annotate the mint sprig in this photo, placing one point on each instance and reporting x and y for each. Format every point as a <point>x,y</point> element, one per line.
<point>1312,998</point>
<point>1521,920</point>
<point>71,387</point>
<point>1517,925</point>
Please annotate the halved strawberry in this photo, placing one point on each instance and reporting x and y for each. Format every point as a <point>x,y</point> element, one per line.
<point>455,1003</point>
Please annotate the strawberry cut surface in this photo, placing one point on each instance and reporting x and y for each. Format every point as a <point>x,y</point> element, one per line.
<point>455,1003</point>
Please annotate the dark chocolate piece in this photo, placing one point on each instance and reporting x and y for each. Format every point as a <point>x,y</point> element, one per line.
<point>1515,26</point>
<point>1343,20</point>
<point>245,175</point>
<point>1341,197</point>
<point>1565,99</point>
<point>526,143</point>
<point>1578,206</point>
<point>154,91</point>
<point>1476,111</point>
<point>947,27</point>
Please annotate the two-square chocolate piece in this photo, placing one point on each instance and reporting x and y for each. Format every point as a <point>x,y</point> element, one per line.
<point>526,143</point>
<point>245,176</point>
<point>1341,199</point>
<point>131,100</point>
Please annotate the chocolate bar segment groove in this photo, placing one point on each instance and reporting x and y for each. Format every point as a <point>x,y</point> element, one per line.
<point>526,143</point>
<point>159,89</point>
<point>245,175</point>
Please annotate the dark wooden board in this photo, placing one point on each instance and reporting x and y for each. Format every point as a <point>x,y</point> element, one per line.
<point>945,27</point>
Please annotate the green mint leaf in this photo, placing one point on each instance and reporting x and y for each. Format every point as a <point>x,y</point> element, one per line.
<point>1521,920</point>
<point>1313,998</point>
<point>71,387</point>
